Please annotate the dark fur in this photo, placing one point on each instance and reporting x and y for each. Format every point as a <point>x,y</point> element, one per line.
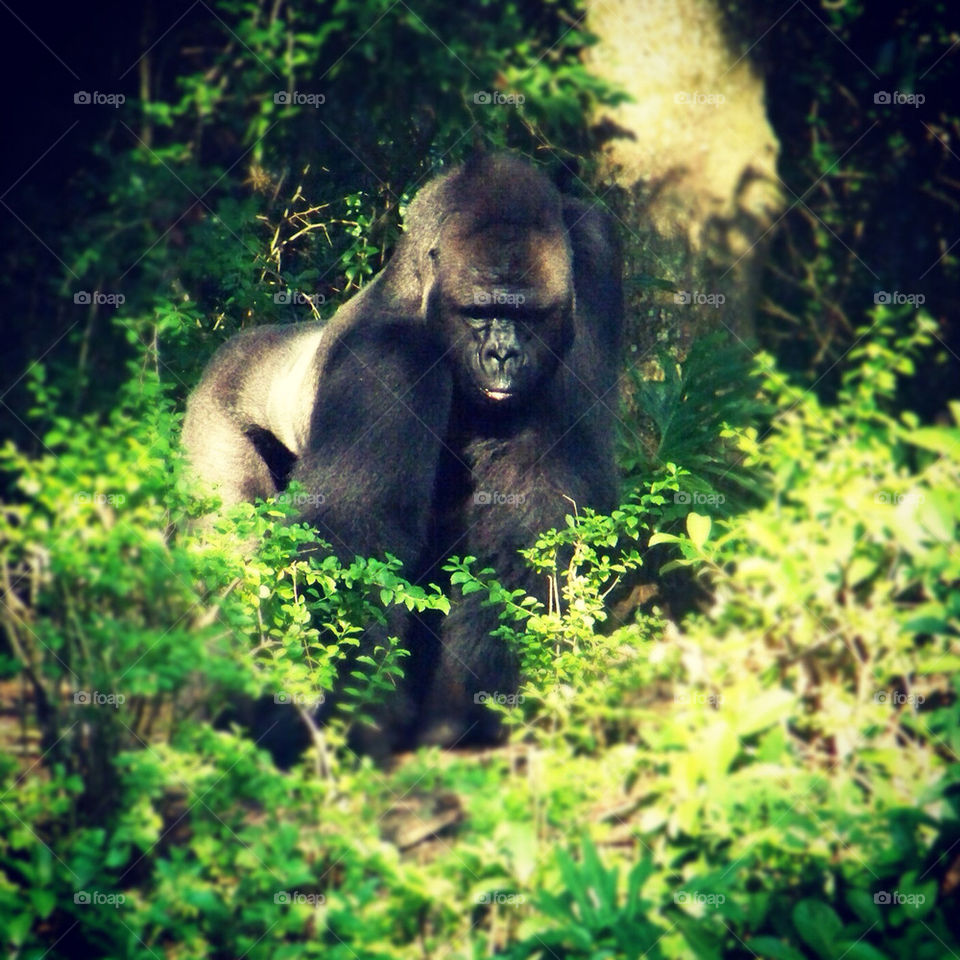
<point>388,412</point>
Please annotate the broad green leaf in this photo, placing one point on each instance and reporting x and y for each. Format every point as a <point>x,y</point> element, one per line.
<point>943,440</point>
<point>819,926</point>
<point>698,527</point>
<point>772,949</point>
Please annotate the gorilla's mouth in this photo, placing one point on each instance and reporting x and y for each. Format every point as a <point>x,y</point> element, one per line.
<point>498,395</point>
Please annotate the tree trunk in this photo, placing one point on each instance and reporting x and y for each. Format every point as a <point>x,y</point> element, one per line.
<point>691,167</point>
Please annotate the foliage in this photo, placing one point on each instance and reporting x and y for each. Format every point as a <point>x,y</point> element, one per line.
<point>771,748</point>
<point>694,407</point>
<point>785,759</point>
<point>569,665</point>
<point>591,916</point>
<point>129,638</point>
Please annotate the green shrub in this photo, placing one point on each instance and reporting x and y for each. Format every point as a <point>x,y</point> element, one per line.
<point>776,773</point>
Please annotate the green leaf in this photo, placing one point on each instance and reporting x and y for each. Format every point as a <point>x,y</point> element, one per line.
<point>860,569</point>
<point>943,440</point>
<point>662,538</point>
<point>19,927</point>
<point>698,527</point>
<point>43,902</point>
<point>861,902</point>
<point>936,515</point>
<point>772,949</point>
<point>768,708</point>
<point>818,926</point>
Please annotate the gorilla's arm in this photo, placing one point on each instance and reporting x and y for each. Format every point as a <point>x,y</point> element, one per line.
<point>597,280</point>
<point>355,413</point>
<point>523,486</point>
<point>376,432</point>
<point>587,394</point>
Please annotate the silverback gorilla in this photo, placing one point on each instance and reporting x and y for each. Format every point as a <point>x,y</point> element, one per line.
<point>460,404</point>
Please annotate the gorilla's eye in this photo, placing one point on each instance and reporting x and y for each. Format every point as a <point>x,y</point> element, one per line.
<point>479,326</point>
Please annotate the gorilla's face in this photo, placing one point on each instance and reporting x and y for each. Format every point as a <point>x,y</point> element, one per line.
<point>502,355</point>
<point>500,359</point>
<point>507,304</point>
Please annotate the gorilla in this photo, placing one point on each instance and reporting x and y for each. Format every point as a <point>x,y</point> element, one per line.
<point>461,404</point>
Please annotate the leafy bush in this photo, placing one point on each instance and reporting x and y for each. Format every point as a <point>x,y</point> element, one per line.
<point>787,758</point>
<point>129,635</point>
<point>776,773</point>
<point>694,408</point>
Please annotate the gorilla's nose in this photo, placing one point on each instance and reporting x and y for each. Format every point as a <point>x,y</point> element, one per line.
<point>500,353</point>
<point>501,347</point>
